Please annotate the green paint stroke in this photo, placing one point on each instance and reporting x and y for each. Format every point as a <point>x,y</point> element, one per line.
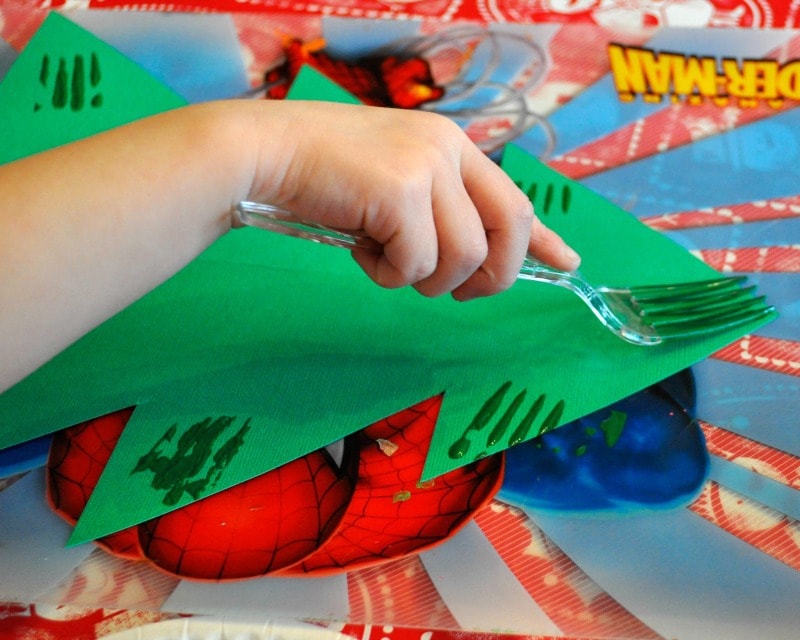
<point>505,420</point>
<point>551,193</point>
<point>521,432</point>
<point>94,70</point>
<point>78,84</point>
<point>61,90</point>
<point>460,447</point>
<point>94,78</point>
<point>183,470</point>
<point>566,198</point>
<point>548,198</point>
<point>44,71</point>
<point>553,418</point>
<point>612,427</point>
<point>70,87</point>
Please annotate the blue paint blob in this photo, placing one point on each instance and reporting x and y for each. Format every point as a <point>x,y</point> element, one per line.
<point>658,461</point>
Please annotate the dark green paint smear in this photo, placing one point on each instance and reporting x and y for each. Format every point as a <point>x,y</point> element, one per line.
<point>566,198</point>
<point>182,472</point>
<point>548,198</point>
<point>61,89</point>
<point>551,192</point>
<point>460,447</point>
<point>78,94</point>
<point>613,426</point>
<point>521,432</point>
<point>72,88</point>
<point>44,71</point>
<point>505,420</point>
<point>553,418</point>
<point>94,70</point>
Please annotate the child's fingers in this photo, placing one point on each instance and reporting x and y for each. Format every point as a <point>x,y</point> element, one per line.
<point>461,240</point>
<point>506,215</point>
<point>546,245</point>
<point>410,250</point>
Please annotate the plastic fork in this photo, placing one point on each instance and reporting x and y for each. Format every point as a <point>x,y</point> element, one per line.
<point>643,315</point>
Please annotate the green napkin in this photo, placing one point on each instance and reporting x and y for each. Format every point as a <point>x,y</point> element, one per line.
<point>267,347</point>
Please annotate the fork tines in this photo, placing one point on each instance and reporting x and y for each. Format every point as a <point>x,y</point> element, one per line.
<point>715,303</point>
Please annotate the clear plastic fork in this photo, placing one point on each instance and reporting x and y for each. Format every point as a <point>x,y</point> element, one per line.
<point>643,315</point>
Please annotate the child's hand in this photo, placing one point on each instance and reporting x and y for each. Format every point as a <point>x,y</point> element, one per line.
<point>449,219</point>
<point>118,213</point>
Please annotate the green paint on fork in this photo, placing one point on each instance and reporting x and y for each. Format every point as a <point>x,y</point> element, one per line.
<point>688,308</point>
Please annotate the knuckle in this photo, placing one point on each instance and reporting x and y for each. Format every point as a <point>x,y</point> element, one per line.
<point>421,270</point>
<point>504,281</point>
<point>432,121</point>
<point>471,255</point>
<point>522,209</point>
<point>411,271</point>
<point>393,276</point>
<point>449,126</point>
<point>438,133</point>
<point>408,186</point>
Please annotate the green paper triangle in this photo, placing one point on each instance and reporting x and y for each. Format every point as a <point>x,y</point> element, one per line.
<point>310,84</point>
<point>290,347</point>
<point>66,85</point>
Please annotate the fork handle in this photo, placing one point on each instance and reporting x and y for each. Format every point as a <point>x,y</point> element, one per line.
<point>272,218</point>
<point>533,269</point>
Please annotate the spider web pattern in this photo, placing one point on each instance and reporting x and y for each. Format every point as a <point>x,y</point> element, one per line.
<point>391,513</point>
<point>307,516</point>
<point>77,457</point>
<point>253,528</point>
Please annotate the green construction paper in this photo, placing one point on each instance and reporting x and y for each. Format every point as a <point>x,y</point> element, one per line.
<point>275,347</point>
<point>310,84</point>
<point>67,84</point>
